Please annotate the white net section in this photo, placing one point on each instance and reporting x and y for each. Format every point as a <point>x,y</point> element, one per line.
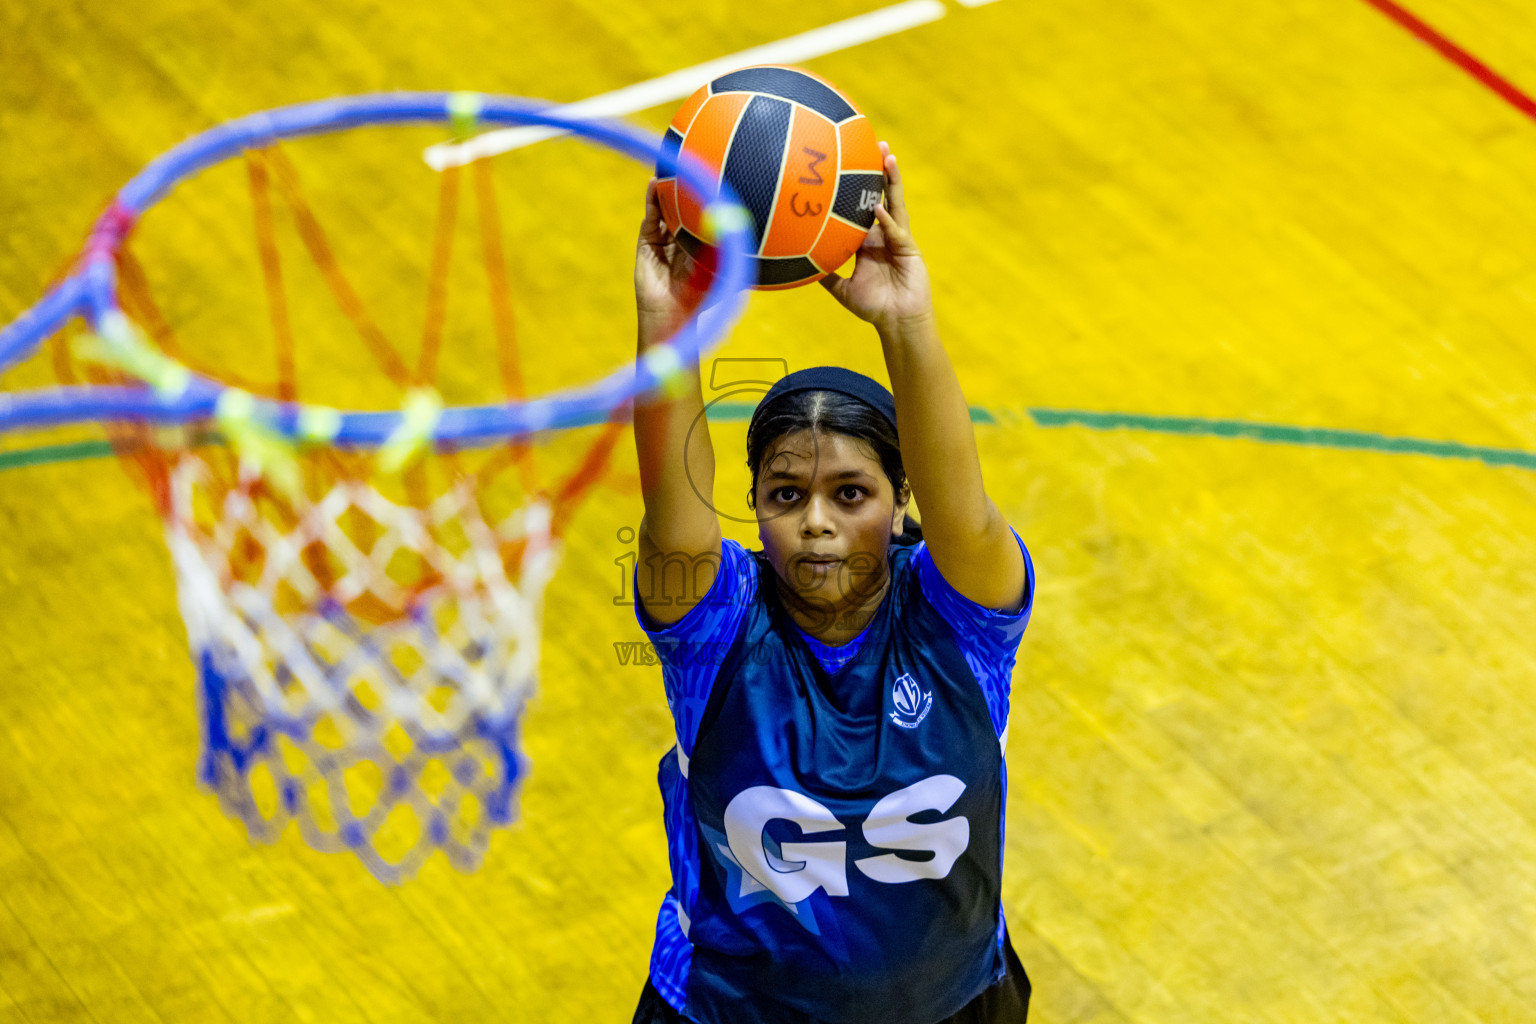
<point>364,663</point>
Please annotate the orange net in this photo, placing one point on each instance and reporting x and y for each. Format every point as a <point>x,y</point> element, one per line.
<point>270,170</point>
<point>366,638</point>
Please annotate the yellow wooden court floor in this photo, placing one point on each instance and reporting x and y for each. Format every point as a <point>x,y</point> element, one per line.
<point>1245,296</point>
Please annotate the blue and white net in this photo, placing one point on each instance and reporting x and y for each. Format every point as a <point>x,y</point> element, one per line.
<point>387,738</point>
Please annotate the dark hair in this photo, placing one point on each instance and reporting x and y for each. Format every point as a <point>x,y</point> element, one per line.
<point>829,412</point>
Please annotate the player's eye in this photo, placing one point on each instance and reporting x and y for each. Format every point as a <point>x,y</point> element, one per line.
<point>849,492</point>
<point>785,494</point>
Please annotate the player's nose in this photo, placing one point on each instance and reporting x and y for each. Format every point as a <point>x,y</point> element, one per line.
<point>818,520</point>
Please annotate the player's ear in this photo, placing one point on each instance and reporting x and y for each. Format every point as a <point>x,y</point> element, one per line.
<point>899,511</point>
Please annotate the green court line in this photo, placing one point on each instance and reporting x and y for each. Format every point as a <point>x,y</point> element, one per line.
<point>1187,426</point>
<point>1274,433</point>
<point>44,454</point>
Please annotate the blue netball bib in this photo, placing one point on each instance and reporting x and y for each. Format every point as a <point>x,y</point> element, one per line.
<point>834,814</point>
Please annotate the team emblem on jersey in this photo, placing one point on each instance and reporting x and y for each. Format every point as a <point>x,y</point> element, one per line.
<point>912,704</point>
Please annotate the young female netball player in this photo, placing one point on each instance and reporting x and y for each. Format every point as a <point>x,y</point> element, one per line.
<point>834,803</point>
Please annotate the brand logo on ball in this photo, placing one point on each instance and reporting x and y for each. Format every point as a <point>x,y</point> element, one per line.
<point>911,702</point>
<point>869,199</point>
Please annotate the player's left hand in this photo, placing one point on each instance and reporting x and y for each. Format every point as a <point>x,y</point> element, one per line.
<point>889,285</point>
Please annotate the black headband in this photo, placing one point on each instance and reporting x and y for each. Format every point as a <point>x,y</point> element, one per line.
<point>834,378</point>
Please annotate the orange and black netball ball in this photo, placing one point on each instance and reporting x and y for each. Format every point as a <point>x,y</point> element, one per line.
<point>801,158</point>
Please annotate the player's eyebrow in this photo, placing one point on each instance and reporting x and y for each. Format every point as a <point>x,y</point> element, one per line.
<point>847,474</point>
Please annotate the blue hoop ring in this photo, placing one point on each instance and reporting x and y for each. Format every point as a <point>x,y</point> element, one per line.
<point>91,289</point>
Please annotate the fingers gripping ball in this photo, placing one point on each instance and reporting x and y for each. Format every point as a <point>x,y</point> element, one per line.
<point>801,157</point>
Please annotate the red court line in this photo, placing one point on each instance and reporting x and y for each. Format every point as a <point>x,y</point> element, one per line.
<point>1511,93</point>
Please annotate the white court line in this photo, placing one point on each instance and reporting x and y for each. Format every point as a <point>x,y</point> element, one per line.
<point>675,86</point>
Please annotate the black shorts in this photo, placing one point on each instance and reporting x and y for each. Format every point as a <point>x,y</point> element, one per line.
<point>1007,1002</point>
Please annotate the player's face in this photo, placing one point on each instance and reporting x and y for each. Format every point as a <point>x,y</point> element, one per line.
<point>826,515</point>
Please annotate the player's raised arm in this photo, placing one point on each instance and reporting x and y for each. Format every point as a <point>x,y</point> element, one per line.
<point>678,524</point>
<point>971,544</point>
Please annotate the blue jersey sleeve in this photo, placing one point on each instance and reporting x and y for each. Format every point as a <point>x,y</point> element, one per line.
<point>692,648</point>
<point>989,638</point>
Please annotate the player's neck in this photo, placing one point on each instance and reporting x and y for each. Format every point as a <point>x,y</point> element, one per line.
<point>833,625</point>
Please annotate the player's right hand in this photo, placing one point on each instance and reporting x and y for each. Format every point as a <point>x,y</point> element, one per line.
<point>664,293</point>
